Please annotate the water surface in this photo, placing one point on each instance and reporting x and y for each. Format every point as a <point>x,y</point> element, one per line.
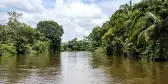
<point>80,68</point>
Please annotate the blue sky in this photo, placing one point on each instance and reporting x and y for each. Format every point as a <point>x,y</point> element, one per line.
<point>49,3</point>
<point>78,17</point>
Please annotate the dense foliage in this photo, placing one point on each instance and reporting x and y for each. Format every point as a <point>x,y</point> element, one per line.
<point>136,30</point>
<point>17,37</point>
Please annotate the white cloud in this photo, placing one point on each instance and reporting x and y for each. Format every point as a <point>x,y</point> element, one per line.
<point>76,17</point>
<point>80,38</point>
<point>79,30</point>
<point>23,5</point>
<point>3,18</point>
<point>87,33</point>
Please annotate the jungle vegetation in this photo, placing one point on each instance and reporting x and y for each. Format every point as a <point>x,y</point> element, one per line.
<point>135,30</point>
<point>19,38</point>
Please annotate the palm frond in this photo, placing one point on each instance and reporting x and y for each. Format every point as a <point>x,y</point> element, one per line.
<point>109,33</point>
<point>144,35</point>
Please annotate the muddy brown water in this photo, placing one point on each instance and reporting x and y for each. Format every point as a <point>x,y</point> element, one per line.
<point>80,68</point>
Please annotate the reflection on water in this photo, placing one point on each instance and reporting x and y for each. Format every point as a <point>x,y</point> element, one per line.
<point>80,68</point>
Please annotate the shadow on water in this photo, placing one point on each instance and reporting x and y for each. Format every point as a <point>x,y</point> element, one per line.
<point>15,69</point>
<point>131,71</point>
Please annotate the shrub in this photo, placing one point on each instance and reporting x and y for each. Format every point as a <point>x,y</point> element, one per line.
<point>41,46</point>
<point>7,49</point>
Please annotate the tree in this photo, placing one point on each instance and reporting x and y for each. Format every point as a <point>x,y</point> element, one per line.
<point>53,31</point>
<point>95,36</point>
<point>20,38</point>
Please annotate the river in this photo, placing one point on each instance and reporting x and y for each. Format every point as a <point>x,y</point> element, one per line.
<point>80,68</point>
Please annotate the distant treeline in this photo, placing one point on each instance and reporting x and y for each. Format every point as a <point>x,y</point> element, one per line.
<point>75,45</point>
<point>17,37</point>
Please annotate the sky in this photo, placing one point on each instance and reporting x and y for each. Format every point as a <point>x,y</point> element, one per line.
<point>78,17</point>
